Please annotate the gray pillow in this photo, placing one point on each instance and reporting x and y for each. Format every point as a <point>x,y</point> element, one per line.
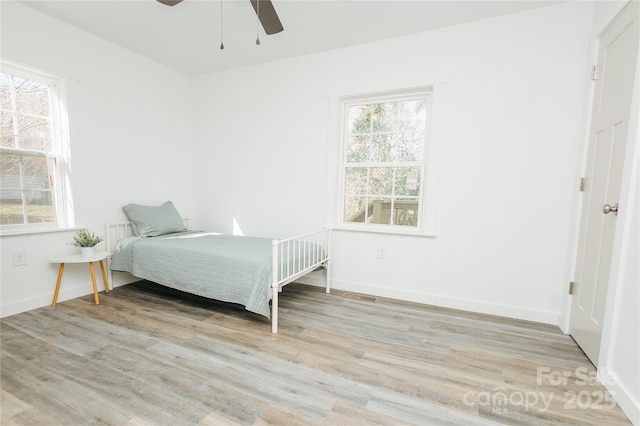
<point>152,221</point>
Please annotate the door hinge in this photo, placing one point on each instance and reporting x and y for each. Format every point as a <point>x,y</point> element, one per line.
<point>594,72</point>
<point>582,184</point>
<point>571,285</point>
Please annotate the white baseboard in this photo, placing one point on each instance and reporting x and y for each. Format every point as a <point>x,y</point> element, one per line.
<point>541,316</point>
<point>621,395</point>
<point>318,279</point>
<point>42,300</point>
<point>39,301</point>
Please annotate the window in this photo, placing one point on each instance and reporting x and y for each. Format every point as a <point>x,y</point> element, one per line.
<point>33,150</point>
<point>385,161</point>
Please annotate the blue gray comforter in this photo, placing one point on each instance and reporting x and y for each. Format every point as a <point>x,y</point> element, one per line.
<point>230,268</point>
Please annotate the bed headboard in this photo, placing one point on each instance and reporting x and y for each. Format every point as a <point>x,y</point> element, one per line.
<point>114,232</point>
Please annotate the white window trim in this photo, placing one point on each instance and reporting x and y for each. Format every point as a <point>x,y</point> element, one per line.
<point>335,196</point>
<point>60,132</point>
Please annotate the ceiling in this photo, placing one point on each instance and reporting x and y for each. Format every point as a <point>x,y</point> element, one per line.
<point>187,37</point>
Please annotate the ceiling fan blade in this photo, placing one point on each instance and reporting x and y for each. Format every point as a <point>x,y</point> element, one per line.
<point>170,2</point>
<point>268,16</point>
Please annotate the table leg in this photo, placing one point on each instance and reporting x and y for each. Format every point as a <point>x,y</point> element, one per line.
<point>95,286</point>
<point>104,278</point>
<point>55,293</point>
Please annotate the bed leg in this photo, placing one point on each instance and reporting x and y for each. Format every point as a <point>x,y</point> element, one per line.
<point>274,310</point>
<point>109,271</point>
<point>327,271</point>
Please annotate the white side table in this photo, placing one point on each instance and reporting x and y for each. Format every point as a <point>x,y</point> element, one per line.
<point>99,256</point>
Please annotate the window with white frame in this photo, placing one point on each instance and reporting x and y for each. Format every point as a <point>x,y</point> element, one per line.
<point>385,150</point>
<point>34,150</point>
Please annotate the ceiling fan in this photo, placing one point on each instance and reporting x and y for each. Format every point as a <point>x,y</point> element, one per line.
<point>264,9</point>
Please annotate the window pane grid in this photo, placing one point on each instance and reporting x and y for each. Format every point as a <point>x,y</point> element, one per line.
<point>28,192</point>
<point>384,161</point>
<point>385,189</point>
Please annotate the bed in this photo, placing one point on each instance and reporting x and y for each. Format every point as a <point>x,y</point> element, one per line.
<point>158,245</point>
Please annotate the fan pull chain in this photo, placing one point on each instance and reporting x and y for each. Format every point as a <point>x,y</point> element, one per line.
<point>258,22</point>
<point>221,29</point>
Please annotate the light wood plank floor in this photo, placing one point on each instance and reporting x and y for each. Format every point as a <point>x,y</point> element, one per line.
<point>151,356</point>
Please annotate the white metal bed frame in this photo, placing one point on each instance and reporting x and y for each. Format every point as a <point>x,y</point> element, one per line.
<point>291,259</point>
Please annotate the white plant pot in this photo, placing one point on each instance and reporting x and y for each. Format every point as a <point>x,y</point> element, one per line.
<point>87,251</point>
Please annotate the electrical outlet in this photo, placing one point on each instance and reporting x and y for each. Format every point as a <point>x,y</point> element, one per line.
<point>382,252</point>
<point>19,257</point>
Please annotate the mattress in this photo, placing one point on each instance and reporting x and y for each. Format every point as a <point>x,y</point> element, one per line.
<point>230,268</point>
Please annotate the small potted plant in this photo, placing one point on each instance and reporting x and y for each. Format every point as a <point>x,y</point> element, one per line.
<point>86,241</point>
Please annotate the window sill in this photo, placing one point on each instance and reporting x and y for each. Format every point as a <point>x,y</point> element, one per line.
<point>31,231</point>
<point>382,230</point>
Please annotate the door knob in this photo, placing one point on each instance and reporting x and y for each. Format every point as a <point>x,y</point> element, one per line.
<point>606,209</point>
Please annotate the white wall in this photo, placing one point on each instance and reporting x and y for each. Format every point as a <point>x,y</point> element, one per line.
<point>130,126</point>
<point>514,114</point>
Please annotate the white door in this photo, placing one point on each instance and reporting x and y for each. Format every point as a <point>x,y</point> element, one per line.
<point>615,73</point>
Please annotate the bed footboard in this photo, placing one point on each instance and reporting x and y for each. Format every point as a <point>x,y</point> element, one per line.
<point>295,257</point>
